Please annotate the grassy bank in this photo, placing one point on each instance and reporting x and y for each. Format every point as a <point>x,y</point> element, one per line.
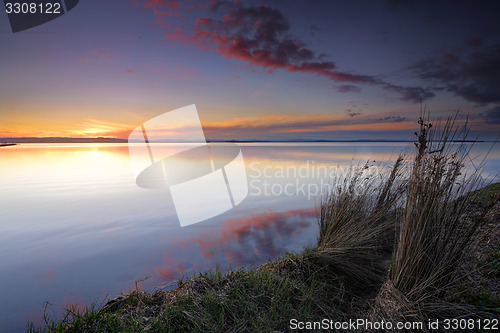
<point>418,242</point>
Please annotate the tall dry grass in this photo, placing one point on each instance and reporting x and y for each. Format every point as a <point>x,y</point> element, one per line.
<point>357,223</point>
<point>421,213</point>
<point>436,228</point>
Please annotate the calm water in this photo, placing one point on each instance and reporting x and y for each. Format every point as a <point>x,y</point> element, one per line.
<point>76,228</point>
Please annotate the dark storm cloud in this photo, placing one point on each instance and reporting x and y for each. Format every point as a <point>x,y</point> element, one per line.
<point>411,94</point>
<point>260,35</point>
<point>493,115</point>
<point>475,77</point>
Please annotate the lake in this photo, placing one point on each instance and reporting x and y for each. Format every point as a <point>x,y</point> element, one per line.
<point>76,228</point>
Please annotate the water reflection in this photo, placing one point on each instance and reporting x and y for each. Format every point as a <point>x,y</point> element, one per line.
<point>75,226</point>
<point>241,241</point>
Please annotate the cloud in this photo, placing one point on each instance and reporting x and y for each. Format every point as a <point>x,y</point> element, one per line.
<point>393,119</point>
<point>162,9</point>
<point>185,72</point>
<point>493,115</point>
<point>99,128</point>
<point>261,37</point>
<point>347,88</point>
<point>352,114</point>
<point>168,4</point>
<point>411,94</point>
<point>475,77</point>
<point>265,125</point>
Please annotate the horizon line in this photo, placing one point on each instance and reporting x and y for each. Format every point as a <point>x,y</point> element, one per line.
<point>119,140</point>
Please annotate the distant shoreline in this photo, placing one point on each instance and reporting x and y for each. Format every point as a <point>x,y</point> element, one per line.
<point>117,140</point>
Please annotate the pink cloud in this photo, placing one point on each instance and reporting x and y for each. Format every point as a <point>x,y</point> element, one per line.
<point>260,36</point>
<point>169,4</point>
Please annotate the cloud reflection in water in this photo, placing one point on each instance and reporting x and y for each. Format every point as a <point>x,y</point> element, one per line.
<point>239,242</point>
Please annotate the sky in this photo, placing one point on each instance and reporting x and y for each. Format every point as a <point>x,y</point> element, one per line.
<point>256,70</point>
